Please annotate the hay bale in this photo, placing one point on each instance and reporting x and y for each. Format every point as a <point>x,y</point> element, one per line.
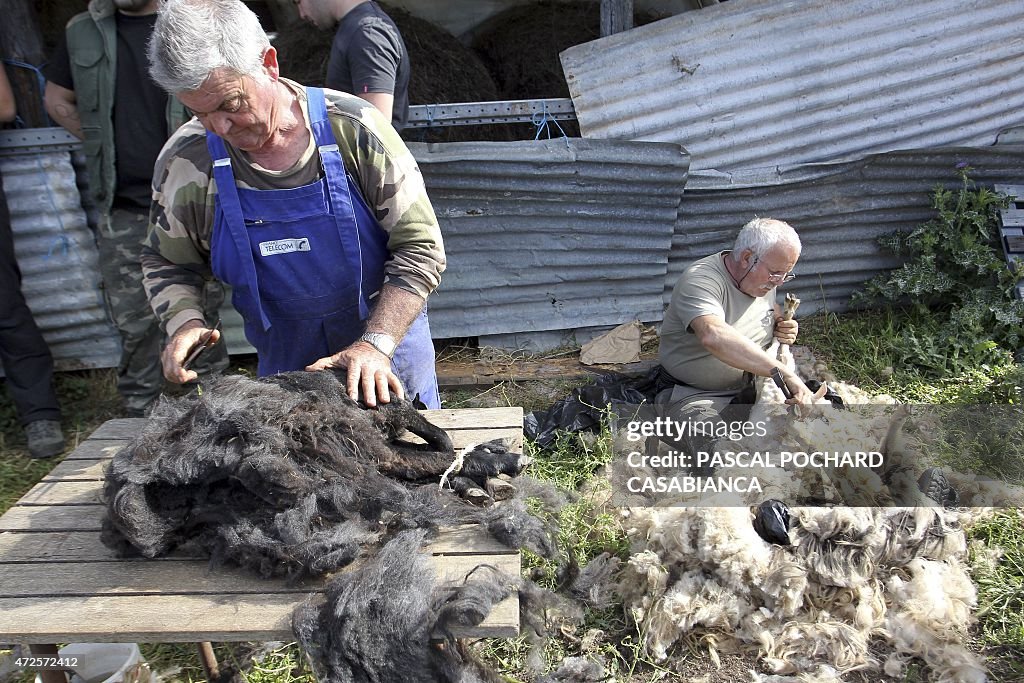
<point>520,45</point>
<point>443,69</point>
<point>302,52</point>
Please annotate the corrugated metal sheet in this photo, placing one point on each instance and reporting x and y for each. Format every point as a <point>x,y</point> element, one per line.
<point>839,209</point>
<point>754,83</point>
<point>57,256</point>
<point>551,235</point>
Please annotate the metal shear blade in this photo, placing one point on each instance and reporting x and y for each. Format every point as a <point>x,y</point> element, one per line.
<point>203,344</point>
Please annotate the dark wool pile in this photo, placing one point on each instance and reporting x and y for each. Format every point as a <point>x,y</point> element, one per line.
<point>388,621</point>
<point>288,476</point>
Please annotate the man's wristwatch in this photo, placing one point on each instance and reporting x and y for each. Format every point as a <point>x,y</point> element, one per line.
<point>384,343</point>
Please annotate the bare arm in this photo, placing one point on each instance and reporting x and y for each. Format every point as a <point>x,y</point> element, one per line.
<point>61,105</point>
<point>733,349</point>
<point>369,370</point>
<point>383,101</point>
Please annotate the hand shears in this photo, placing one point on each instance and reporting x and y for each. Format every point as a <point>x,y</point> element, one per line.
<point>203,344</point>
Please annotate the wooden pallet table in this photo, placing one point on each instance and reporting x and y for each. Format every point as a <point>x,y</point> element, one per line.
<point>59,583</point>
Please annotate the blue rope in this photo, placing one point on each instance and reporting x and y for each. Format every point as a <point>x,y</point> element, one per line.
<point>62,242</point>
<point>543,123</point>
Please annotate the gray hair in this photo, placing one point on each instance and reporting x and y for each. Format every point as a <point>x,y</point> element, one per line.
<point>761,234</point>
<point>194,37</point>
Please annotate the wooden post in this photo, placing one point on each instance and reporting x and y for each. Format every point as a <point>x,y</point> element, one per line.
<point>21,40</point>
<point>48,675</point>
<point>209,661</point>
<point>616,16</point>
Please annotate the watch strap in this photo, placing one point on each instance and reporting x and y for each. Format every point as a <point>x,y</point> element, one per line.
<point>384,343</point>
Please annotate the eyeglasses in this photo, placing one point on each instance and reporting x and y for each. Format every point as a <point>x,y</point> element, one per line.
<point>777,278</point>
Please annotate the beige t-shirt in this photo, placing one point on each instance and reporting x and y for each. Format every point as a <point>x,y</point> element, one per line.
<point>705,288</point>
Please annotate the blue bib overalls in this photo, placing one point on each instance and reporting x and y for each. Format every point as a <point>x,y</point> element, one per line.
<point>304,264</point>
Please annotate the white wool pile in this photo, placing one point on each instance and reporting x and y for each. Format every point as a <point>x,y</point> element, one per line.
<point>859,589</point>
<point>856,581</point>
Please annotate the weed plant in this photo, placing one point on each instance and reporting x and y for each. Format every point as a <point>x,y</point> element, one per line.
<point>955,283</point>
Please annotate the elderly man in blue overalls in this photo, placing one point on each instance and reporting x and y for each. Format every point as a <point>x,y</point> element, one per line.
<point>306,201</point>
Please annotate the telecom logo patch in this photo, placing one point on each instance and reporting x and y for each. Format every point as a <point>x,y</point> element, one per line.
<point>285,246</point>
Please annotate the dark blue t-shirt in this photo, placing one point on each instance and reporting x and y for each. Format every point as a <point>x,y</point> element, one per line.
<point>368,55</point>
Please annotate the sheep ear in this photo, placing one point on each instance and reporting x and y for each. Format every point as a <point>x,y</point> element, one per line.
<point>822,390</point>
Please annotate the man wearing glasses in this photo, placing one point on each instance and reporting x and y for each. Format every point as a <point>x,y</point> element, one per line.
<point>722,316</point>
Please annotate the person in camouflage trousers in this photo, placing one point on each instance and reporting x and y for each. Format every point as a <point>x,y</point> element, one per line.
<point>98,88</point>
<point>140,377</point>
<point>305,201</point>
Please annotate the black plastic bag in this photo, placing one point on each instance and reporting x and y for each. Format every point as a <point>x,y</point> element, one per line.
<point>772,522</point>
<point>583,409</point>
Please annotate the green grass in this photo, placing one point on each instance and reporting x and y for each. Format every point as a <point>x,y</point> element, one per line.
<point>855,349</point>
<point>997,566</point>
<point>88,398</point>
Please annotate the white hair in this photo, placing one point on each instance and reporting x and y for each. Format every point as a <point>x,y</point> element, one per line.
<point>762,234</point>
<point>194,37</point>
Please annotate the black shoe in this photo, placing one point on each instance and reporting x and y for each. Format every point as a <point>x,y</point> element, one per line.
<point>45,439</point>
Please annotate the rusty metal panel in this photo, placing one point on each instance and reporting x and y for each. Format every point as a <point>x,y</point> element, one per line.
<point>754,83</point>
<point>839,210</point>
<point>551,235</point>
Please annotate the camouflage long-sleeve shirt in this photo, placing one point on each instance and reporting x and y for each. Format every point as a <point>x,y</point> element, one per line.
<point>176,256</point>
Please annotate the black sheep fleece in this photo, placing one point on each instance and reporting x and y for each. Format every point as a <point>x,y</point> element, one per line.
<point>287,476</point>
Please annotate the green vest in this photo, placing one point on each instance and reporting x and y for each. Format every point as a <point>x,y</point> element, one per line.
<point>92,50</point>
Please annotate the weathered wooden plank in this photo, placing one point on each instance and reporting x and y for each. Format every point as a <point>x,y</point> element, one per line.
<point>181,618</point>
<point>63,493</point>
<point>485,374</point>
<point>1011,217</point>
<point>469,418</point>
<point>56,546</point>
<point>136,577</point>
<point>83,469</point>
<point>96,449</point>
<point>1012,190</point>
<point>467,540</point>
<point>85,546</point>
<point>475,418</point>
<point>616,16</point>
<point>120,428</point>
<point>53,518</point>
<point>140,578</point>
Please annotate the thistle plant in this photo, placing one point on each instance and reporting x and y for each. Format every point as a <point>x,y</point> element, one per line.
<point>956,284</point>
